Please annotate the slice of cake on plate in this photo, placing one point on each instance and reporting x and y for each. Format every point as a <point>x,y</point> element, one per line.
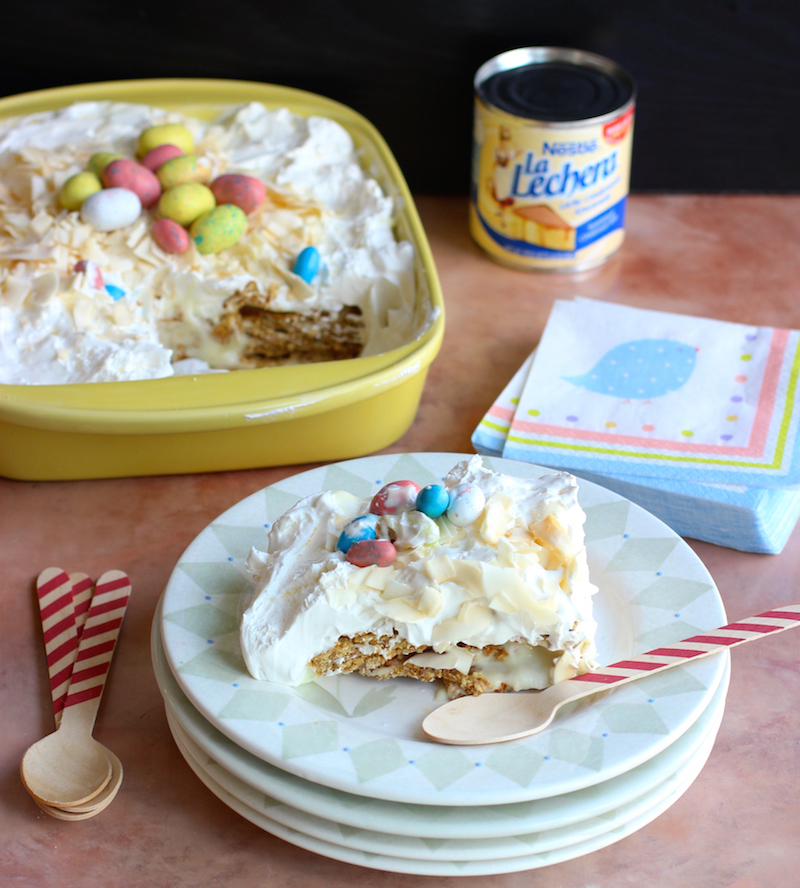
<point>481,582</point>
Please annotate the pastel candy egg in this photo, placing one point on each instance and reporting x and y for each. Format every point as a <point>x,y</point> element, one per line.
<point>92,272</point>
<point>466,504</point>
<point>307,264</point>
<point>433,500</point>
<point>171,237</point>
<point>361,528</point>
<point>77,188</point>
<point>244,192</point>
<point>364,553</point>
<point>98,162</point>
<point>185,203</point>
<point>165,134</point>
<point>219,229</point>
<point>184,168</point>
<point>124,173</point>
<point>396,497</point>
<point>111,208</point>
<point>160,155</point>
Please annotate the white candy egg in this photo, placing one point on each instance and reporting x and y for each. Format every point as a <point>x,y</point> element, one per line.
<point>110,209</point>
<point>466,504</point>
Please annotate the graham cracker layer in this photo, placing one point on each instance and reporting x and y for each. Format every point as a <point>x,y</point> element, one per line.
<point>281,337</point>
<point>387,656</point>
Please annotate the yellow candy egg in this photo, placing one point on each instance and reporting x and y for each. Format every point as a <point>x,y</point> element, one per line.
<point>165,134</point>
<point>185,203</point>
<point>98,162</point>
<point>184,168</point>
<point>219,229</point>
<point>77,188</point>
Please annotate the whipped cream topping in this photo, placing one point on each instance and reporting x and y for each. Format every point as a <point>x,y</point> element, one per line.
<point>55,327</point>
<point>516,577</point>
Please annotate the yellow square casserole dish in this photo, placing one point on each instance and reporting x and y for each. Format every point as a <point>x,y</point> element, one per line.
<point>238,420</point>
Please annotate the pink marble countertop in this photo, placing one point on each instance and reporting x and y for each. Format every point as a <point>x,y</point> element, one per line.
<point>729,257</point>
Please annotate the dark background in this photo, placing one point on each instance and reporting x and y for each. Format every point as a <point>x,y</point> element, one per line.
<point>719,80</point>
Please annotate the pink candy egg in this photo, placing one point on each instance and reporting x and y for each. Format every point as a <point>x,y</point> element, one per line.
<point>364,553</point>
<point>171,237</point>
<point>92,273</point>
<point>396,497</point>
<point>244,192</point>
<point>157,156</point>
<point>124,173</point>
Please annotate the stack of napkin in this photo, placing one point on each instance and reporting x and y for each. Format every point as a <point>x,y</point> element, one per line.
<point>693,419</point>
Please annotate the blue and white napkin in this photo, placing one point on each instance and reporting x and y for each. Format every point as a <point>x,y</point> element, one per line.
<point>694,419</point>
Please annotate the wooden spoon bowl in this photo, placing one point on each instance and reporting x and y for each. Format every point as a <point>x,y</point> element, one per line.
<point>68,767</point>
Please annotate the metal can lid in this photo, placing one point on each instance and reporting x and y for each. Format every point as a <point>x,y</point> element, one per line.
<point>554,85</point>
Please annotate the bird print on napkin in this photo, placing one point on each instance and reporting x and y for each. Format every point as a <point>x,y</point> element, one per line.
<point>639,370</point>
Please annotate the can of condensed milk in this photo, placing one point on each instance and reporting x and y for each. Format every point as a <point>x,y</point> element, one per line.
<point>551,158</point>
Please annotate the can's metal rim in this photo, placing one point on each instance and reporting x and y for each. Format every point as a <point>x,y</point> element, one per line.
<point>538,55</point>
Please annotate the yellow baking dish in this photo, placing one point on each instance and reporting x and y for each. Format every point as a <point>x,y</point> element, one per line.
<point>244,419</point>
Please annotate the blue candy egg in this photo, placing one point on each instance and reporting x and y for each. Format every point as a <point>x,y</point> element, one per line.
<point>433,500</point>
<point>114,292</point>
<point>362,528</point>
<point>307,264</point>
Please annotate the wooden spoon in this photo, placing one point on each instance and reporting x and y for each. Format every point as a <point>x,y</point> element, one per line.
<point>99,803</point>
<point>495,718</point>
<point>69,767</point>
<point>104,798</point>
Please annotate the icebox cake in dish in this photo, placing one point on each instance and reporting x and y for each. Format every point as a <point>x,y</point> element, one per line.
<point>84,302</point>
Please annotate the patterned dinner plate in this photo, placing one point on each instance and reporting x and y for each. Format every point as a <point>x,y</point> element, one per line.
<point>423,847</point>
<point>604,831</point>
<point>363,736</point>
<point>353,813</point>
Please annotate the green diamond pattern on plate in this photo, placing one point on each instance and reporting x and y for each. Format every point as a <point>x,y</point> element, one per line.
<point>374,699</point>
<point>277,502</point>
<point>348,831</point>
<point>238,541</point>
<point>444,766</point>
<point>634,718</point>
<point>255,705</point>
<point>219,665</point>
<point>433,844</point>
<point>606,520</point>
<point>338,478</point>
<point>529,839</point>
<point>671,593</point>
<point>576,748</point>
<point>216,578</point>
<point>311,738</point>
<point>268,802</point>
<point>204,620</point>
<point>666,634</point>
<point>517,763</point>
<point>642,554</point>
<point>409,467</point>
<point>313,693</point>
<point>673,681</point>
<point>376,758</point>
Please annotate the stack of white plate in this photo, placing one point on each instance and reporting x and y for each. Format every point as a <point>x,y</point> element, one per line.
<point>341,767</point>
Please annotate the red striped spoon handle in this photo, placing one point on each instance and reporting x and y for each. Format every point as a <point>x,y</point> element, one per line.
<point>98,639</point>
<point>696,646</point>
<point>57,614</point>
<point>495,718</point>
